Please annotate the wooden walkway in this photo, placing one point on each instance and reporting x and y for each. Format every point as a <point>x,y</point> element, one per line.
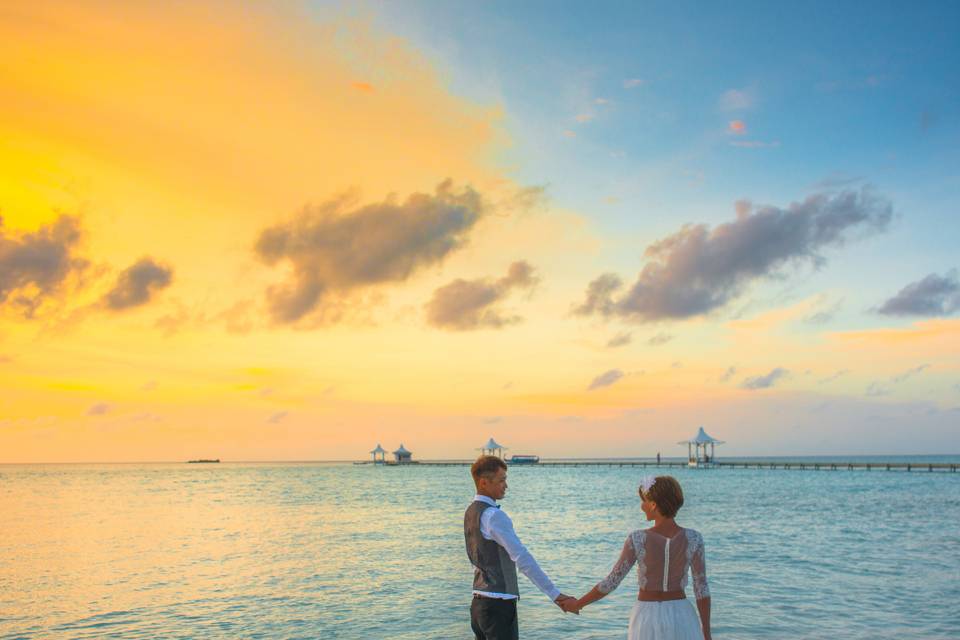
<point>745,464</point>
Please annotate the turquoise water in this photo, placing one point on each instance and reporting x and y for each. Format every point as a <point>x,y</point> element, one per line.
<point>343,551</point>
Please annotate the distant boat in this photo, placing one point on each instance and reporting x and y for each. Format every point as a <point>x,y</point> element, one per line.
<point>515,459</point>
<point>202,460</point>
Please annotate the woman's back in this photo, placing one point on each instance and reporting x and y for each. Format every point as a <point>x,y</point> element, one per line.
<point>662,562</point>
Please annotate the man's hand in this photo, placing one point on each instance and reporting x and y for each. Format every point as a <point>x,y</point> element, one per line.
<point>568,604</point>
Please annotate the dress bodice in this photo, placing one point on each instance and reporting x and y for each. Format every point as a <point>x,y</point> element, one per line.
<point>662,563</point>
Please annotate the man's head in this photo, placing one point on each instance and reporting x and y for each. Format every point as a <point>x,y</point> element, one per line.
<point>490,476</point>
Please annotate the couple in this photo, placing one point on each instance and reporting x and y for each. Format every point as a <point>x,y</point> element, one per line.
<point>662,554</point>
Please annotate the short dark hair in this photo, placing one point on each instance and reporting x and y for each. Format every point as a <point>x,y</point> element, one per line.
<point>485,466</point>
<point>668,495</point>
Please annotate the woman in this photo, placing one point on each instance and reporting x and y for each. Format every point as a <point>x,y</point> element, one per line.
<point>662,554</point>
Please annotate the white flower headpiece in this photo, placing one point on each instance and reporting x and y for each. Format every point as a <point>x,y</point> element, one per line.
<point>647,483</point>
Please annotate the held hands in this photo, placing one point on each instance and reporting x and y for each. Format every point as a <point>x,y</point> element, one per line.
<point>568,604</point>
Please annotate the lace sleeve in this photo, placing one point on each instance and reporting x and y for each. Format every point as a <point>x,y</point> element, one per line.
<point>624,563</point>
<point>698,567</point>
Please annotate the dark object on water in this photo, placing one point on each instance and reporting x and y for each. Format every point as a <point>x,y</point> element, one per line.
<point>203,460</point>
<point>524,459</point>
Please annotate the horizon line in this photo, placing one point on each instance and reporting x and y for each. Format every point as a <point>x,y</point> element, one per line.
<point>345,460</point>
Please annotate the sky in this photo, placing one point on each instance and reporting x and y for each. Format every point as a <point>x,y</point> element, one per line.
<point>295,231</point>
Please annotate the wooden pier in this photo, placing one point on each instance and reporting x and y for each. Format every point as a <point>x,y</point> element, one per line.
<point>740,464</point>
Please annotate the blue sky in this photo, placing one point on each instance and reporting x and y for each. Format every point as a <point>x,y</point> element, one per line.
<point>842,93</point>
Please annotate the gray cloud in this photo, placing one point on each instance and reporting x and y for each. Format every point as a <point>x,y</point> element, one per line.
<point>605,379</point>
<point>99,409</point>
<point>834,376</point>
<point>35,265</point>
<point>337,246</point>
<point>909,373</point>
<point>729,373</point>
<point>824,315</point>
<point>934,295</point>
<point>463,305</point>
<point>659,339</point>
<point>278,417</point>
<point>764,382</point>
<point>137,284</point>
<point>877,389</point>
<point>698,269</point>
<point>620,340</point>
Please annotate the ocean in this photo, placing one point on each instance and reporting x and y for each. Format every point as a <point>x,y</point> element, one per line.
<point>311,550</point>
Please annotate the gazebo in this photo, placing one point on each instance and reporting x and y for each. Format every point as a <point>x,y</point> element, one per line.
<point>381,452</point>
<point>401,455</point>
<point>697,457</point>
<point>492,448</point>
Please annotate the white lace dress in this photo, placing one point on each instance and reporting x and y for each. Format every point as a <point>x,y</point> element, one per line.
<point>662,565</point>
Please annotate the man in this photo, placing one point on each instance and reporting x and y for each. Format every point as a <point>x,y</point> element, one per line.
<point>495,552</point>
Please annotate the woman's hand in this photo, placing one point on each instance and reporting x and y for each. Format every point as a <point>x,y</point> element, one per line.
<point>571,605</point>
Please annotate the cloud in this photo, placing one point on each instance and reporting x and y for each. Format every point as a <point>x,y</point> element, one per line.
<point>632,83</point>
<point>933,295</point>
<point>698,270</point>
<point>470,304</point>
<point>909,373</point>
<point>35,265</point>
<point>659,339</point>
<point>149,386</point>
<point>824,315</point>
<point>600,296</point>
<point>601,101</point>
<point>877,389</point>
<point>620,340</point>
<point>362,87</point>
<point>570,134</point>
<point>337,247</point>
<point>834,376</point>
<point>137,284</point>
<point>99,409</point>
<point>764,382</point>
<point>729,373</point>
<point>605,379</point>
<point>737,127</point>
<point>737,99</point>
<point>584,117</point>
<point>492,420</point>
<point>278,417</point>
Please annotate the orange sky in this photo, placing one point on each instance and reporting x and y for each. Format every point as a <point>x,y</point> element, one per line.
<point>181,134</point>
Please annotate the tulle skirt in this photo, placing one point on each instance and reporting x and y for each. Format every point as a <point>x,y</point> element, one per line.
<point>670,620</point>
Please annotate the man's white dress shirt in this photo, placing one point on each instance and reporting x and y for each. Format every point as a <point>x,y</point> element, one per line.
<point>497,526</point>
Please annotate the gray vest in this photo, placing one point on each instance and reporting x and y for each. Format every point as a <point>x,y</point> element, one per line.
<point>493,570</point>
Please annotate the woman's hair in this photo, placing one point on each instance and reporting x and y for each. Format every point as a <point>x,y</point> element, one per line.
<point>668,495</point>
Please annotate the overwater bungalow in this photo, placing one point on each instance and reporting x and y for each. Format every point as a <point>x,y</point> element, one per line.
<point>492,448</point>
<point>379,451</point>
<point>402,456</point>
<point>697,455</point>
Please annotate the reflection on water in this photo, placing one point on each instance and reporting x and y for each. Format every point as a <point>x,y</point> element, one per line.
<point>342,551</point>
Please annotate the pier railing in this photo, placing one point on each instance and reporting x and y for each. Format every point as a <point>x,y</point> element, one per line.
<point>739,464</point>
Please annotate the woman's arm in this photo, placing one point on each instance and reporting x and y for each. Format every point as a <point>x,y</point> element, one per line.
<point>698,567</point>
<point>593,595</point>
<point>703,606</point>
<point>628,557</point>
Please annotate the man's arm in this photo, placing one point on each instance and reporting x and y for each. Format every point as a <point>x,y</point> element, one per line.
<point>501,531</point>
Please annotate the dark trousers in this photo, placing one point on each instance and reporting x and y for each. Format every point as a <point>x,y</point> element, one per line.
<point>494,619</point>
